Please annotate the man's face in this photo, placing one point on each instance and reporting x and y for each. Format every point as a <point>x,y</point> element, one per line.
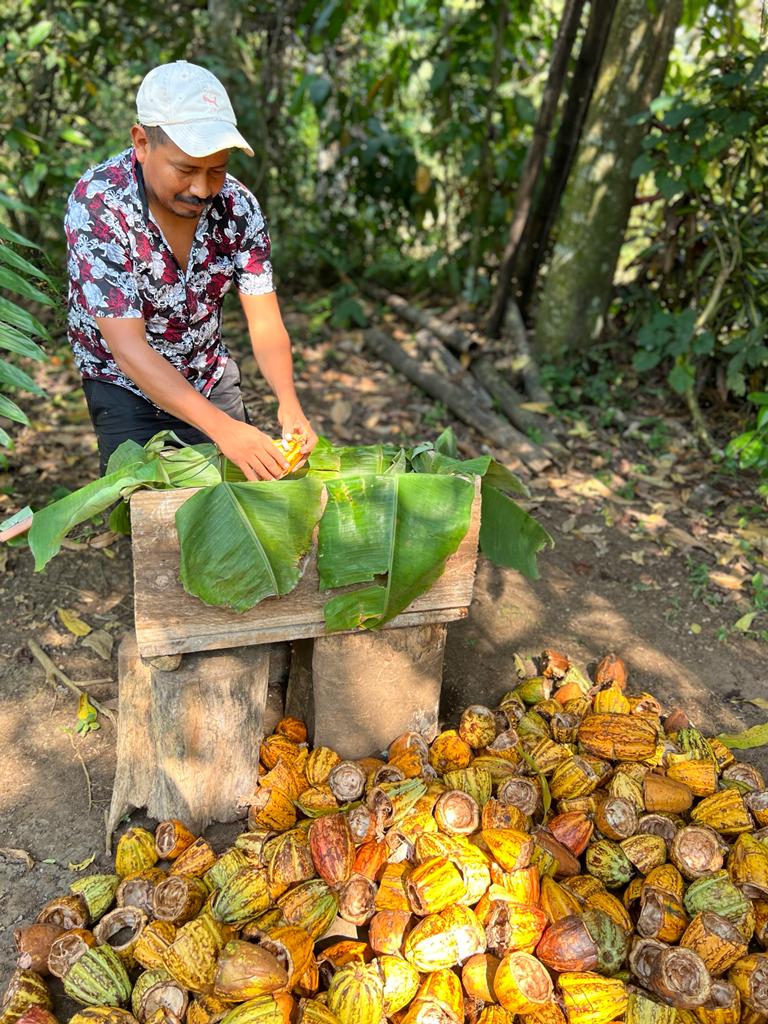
<point>181,184</point>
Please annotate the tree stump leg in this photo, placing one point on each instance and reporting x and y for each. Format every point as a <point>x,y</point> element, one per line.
<point>188,740</point>
<point>370,687</point>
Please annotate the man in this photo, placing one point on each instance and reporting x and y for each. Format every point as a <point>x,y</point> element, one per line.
<point>155,238</point>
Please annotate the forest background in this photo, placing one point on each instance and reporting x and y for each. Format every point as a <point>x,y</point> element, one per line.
<point>601,164</point>
<point>549,215</point>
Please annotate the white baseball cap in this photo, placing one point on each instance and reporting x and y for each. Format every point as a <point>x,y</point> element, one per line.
<point>191,106</point>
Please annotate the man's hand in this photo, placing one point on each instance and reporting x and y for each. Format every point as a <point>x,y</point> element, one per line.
<point>293,422</point>
<point>252,450</point>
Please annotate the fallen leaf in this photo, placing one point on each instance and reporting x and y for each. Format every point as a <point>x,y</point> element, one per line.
<point>87,716</point>
<point>695,628</point>
<point>103,540</point>
<point>756,736</point>
<point>745,622</point>
<point>682,539</point>
<point>72,622</point>
<point>101,642</point>
<point>593,488</point>
<point>540,407</point>
<point>725,580</point>
<point>568,524</point>
<point>83,863</point>
<point>341,410</point>
<point>12,854</point>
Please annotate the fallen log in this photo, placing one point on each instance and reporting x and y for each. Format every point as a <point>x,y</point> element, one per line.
<point>446,362</point>
<point>454,337</point>
<point>514,329</point>
<point>511,401</point>
<point>461,341</point>
<point>496,430</point>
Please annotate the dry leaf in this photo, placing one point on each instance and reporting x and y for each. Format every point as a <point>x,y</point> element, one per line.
<point>568,524</point>
<point>12,854</point>
<point>725,580</point>
<point>101,642</point>
<point>103,540</point>
<point>72,622</point>
<point>83,863</point>
<point>341,410</point>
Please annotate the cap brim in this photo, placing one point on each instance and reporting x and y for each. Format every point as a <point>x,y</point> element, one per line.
<point>201,138</point>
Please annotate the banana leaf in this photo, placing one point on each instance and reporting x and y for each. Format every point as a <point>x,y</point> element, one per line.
<point>241,543</point>
<point>488,468</point>
<point>400,527</point>
<point>508,535</point>
<point>135,467</point>
<point>328,460</point>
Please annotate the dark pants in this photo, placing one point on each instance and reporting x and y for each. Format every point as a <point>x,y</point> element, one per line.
<point>118,415</point>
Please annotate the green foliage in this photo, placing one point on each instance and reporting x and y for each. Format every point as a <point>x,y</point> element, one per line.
<point>20,279</point>
<point>750,449</point>
<point>70,76</point>
<point>702,289</point>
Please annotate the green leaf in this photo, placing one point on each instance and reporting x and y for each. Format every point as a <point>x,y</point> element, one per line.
<point>446,443</point>
<point>646,359</point>
<point>745,622</point>
<point>404,526</point>
<point>756,736</point>
<point>14,341</point>
<point>14,377</point>
<point>508,535</point>
<point>75,137</point>
<point>13,236</point>
<point>193,466</point>
<point>39,33</point>
<point>503,479</point>
<point>11,411</point>
<point>681,378</point>
<point>13,282</point>
<point>51,524</point>
<point>241,543</point>
<point>18,317</point>
<point>360,460</point>
<point>13,259</point>
<point>120,519</point>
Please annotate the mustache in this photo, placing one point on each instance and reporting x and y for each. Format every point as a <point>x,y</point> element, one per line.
<point>193,200</point>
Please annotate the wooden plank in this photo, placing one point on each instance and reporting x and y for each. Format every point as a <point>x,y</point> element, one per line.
<point>170,621</point>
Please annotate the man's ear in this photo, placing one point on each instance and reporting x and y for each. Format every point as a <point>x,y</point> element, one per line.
<point>140,142</point>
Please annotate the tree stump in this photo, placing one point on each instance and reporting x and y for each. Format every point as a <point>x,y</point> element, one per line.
<point>188,740</point>
<point>358,691</point>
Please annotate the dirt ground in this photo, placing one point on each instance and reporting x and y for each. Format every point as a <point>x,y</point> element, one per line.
<point>655,559</point>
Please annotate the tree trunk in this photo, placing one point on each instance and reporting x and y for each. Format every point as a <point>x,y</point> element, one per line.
<point>534,158</point>
<point>598,198</point>
<point>532,248</point>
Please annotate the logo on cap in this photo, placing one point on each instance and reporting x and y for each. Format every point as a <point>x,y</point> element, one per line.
<point>208,97</point>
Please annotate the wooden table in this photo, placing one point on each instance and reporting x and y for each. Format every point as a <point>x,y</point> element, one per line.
<point>190,727</point>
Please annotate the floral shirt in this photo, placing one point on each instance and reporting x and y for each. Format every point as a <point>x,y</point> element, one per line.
<point>120,265</point>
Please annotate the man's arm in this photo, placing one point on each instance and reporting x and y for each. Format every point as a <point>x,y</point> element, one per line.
<point>245,445</point>
<point>272,349</point>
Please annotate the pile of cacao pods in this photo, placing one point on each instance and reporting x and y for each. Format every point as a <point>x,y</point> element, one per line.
<point>572,856</point>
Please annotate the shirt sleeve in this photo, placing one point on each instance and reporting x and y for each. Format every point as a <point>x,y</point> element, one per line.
<point>253,266</point>
<point>99,260</point>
